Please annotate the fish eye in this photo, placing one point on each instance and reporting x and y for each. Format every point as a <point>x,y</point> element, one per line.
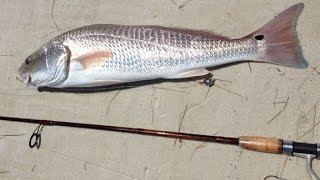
<point>259,37</point>
<point>27,61</point>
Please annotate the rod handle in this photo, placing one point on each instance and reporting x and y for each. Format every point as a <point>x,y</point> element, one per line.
<point>261,144</point>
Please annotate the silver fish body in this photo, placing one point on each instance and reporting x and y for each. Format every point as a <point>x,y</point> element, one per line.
<point>147,52</point>
<point>98,55</point>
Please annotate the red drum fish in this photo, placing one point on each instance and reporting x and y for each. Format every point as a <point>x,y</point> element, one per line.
<point>105,54</point>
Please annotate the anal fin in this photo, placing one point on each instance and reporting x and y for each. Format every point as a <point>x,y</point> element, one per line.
<point>191,73</point>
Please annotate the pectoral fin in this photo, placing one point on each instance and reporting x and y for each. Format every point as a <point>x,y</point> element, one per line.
<point>92,58</point>
<point>192,73</point>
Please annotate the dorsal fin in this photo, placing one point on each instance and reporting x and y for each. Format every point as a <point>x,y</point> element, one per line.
<point>203,33</point>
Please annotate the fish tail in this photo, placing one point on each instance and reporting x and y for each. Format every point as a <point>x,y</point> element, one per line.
<point>281,40</point>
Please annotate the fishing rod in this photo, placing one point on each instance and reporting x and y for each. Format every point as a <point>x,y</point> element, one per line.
<point>253,143</point>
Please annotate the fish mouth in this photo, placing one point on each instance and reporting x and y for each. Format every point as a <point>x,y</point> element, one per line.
<point>25,78</point>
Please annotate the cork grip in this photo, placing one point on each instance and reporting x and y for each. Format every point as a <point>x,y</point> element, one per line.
<point>261,144</point>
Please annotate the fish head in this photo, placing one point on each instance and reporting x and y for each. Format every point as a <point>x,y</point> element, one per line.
<point>47,66</point>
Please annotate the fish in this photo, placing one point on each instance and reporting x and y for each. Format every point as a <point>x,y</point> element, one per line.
<point>107,54</point>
